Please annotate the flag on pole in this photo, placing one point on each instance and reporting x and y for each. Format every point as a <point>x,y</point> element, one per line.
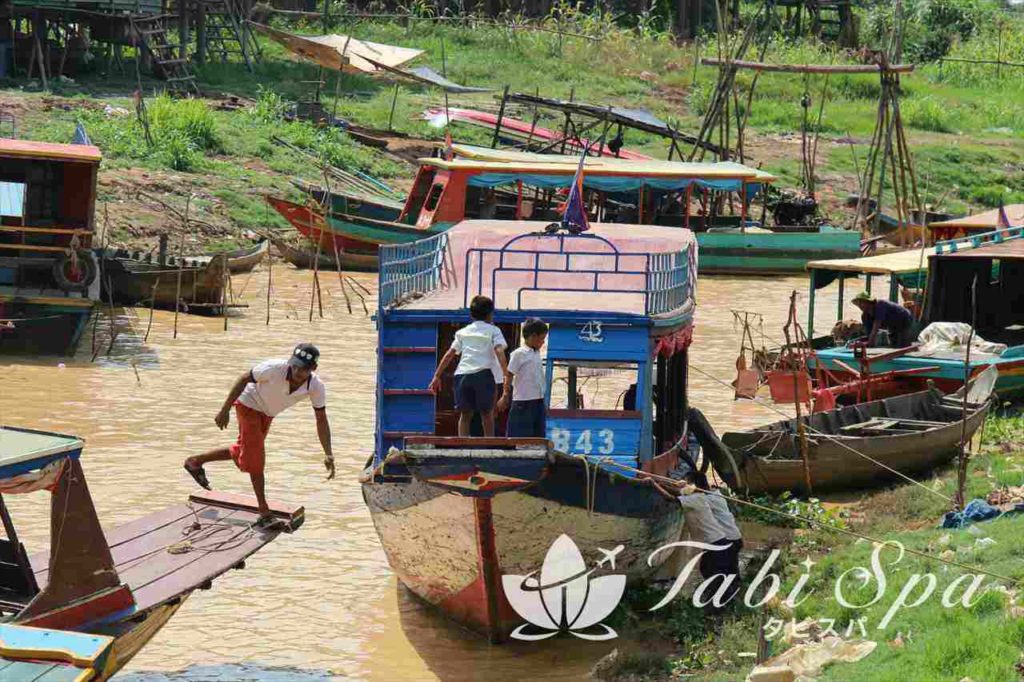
<point>574,217</point>
<point>80,136</point>
<point>1002,221</point>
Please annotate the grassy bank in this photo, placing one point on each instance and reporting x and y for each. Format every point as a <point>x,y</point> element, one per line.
<point>966,123</point>
<point>925,642</point>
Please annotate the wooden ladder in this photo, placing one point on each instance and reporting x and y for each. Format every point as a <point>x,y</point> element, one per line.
<point>170,58</point>
<point>228,31</point>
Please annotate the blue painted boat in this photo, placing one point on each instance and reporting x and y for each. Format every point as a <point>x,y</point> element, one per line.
<point>947,270</point>
<point>456,514</point>
<point>108,585</point>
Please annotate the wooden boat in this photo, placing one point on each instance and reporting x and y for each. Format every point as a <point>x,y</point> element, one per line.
<point>911,434</point>
<point>311,224</point>
<point>304,258</point>
<point>376,207</point>
<point>456,514</point>
<point>625,191</point>
<point>123,584</point>
<point>132,280</point>
<point>948,268</point>
<point>240,261</point>
<point>48,275</point>
<point>49,655</point>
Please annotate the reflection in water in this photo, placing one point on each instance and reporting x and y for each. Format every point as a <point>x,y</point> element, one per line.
<point>323,599</point>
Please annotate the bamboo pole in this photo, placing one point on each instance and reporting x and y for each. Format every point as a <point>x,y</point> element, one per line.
<point>807,68</point>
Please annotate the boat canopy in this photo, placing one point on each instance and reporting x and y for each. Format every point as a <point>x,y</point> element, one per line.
<point>493,168</point>
<point>636,270</point>
<point>988,220</point>
<point>22,450</point>
<point>899,264</point>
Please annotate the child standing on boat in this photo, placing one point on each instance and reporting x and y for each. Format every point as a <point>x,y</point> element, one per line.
<point>480,347</point>
<point>528,417</point>
<point>258,396</point>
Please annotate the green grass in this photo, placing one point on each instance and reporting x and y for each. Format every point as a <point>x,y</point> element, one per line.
<point>982,642</point>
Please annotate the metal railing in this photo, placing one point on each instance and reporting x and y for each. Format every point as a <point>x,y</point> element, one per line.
<point>667,276</point>
<point>416,268</point>
<point>976,240</point>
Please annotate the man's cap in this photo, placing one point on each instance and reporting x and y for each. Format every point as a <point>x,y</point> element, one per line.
<point>304,355</point>
<point>863,296</point>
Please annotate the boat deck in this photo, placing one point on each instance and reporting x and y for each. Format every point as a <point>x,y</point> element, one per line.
<point>163,555</point>
<point>536,272</point>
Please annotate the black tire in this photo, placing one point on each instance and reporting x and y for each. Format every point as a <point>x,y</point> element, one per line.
<point>87,270</point>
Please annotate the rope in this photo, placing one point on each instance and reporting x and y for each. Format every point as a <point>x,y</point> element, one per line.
<point>838,442</point>
<point>845,531</point>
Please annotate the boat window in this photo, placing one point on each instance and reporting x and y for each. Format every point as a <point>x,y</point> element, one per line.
<point>434,197</point>
<point>594,386</point>
<point>12,199</point>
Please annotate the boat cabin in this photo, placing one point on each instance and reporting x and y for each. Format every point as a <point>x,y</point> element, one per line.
<point>992,267</point>
<point>510,185</point>
<point>620,306</point>
<point>978,224</point>
<point>47,203</point>
<point>935,283</point>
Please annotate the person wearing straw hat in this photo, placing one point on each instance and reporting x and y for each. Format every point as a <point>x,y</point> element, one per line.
<point>879,314</point>
<point>258,396</point>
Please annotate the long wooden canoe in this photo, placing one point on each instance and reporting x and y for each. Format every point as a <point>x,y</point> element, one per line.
<point>848,447</point>
<point>305,258</point>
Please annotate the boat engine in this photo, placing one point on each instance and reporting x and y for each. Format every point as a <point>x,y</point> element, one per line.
<point>793,209</point>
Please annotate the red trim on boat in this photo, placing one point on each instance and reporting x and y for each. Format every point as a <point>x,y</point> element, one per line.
<point>487,554</point>
<point>87,610</point>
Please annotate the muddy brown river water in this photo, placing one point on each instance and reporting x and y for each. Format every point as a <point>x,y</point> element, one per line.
<point>322,603</point>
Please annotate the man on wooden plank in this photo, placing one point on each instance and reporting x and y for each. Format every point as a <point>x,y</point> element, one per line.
<point>258,396</point>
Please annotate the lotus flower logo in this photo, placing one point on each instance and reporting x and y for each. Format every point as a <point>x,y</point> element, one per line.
<point>565,598</point>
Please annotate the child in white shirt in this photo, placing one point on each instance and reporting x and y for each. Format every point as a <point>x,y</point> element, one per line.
<point>480,347</point>
<point>528,417</point>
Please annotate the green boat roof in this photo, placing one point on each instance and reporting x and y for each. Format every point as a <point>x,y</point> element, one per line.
<point>21,446</point>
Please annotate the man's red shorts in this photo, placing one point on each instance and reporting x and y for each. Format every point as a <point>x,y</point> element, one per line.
<point>248,452</point>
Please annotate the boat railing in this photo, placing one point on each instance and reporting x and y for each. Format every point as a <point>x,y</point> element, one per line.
<point>668,277</point>
<point>417,267</point>
<point>976,240</point>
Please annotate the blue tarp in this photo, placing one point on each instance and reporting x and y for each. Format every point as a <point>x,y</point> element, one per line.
<point>975,511</point>
<point>608,183</point>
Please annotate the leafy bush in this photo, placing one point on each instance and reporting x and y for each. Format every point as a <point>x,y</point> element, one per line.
<point>190,119</point>
<point>790,507</point>
<point>928,113</point>
<point>269,106</point>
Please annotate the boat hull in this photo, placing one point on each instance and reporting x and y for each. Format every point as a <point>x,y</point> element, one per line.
<point>760,253</point>
<point>132,636</point>
<point>452,549</point>
<point>51,326</point>
<point>770,462</point>
<point>190,289</point>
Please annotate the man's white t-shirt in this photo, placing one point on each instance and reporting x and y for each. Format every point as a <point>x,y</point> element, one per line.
<point>527,367</point>
<point>475,343</point>
<point>270,394</point>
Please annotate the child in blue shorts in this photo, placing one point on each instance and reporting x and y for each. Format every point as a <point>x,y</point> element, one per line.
<point>528,418</point>
<point>480,347</point>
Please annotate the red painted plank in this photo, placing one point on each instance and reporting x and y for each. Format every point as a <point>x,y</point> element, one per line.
<point>217,498</point>
<point>84,611</point>
<point>455,442</point>
<point>595,414</point>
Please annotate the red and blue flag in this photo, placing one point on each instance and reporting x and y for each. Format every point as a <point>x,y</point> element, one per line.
<point>574,219</point>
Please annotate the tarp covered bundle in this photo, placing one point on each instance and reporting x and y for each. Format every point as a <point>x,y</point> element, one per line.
<point>45,478</point>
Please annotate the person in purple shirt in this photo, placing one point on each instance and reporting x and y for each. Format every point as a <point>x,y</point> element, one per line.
<point>877,314</point>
